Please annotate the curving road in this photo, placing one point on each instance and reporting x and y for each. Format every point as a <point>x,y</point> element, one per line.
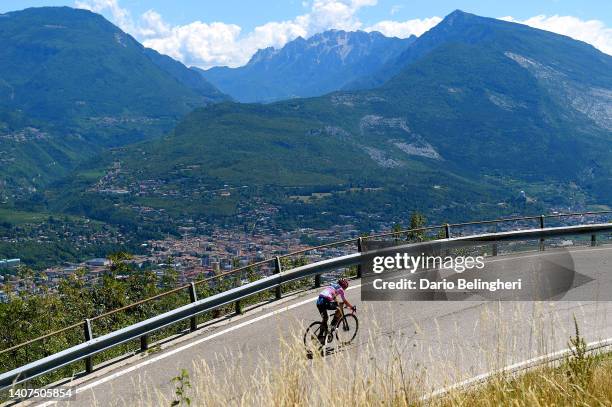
<point>453,339</point>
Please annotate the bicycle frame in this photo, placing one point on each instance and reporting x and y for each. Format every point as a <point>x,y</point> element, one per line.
<point>338,313</point>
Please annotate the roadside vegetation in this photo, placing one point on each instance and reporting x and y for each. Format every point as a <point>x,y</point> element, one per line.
<point>28,315</point>
<point>548,386</point>
<point>37,311</point>
<point>364,379</point>
<point>581,379</point>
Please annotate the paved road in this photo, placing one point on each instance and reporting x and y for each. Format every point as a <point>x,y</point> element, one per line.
<point>453,339</point>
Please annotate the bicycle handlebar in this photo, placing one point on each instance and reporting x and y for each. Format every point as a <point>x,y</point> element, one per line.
<point>343,305</point>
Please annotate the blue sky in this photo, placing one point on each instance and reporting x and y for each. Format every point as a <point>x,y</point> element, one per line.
<point>227,32</point>
<point>250,13</point>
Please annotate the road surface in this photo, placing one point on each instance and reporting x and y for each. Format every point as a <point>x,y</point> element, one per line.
<point>454,340</point>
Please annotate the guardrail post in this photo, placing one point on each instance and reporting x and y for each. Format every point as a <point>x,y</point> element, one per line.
<point>317,281</point>
<point>359,249</point>
<point>88,337</point>
<point>541,227</point>
<point>193,297</point>
<point>277,270</point>
<point>447,232</point>
<point>144,342</point>
<point>593,240</point>
<point>494,249</point>
<point>238,307</point>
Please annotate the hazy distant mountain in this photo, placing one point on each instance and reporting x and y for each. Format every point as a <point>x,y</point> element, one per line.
<point>303,68</point>
<point>490,109</point>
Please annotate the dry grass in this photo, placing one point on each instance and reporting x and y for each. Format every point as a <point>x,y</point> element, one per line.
<point>298,381</point>
<point>548,386</point>
<point>390,369</point>
<point>334,380</point>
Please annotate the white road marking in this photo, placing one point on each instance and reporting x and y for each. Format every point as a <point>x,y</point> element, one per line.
<point>187,346</point>
<point>515,368</point>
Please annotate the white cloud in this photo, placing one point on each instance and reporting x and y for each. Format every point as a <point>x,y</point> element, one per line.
<point>153,25</point>
<point>199,43</point>
<point>593,32</point>
<point>396,9</point>
<point>217,43</point>
<point>404,29</point>
<point>207,44</point>
<point>120,16</point>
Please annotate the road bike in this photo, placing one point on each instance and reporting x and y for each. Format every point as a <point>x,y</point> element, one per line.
<point>343,331</point>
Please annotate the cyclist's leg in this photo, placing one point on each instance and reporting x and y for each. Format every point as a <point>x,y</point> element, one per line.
<point>321,306</point>
<point>336,317</point>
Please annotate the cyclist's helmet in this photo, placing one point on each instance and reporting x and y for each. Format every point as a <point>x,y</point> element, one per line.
<point>343,282</point>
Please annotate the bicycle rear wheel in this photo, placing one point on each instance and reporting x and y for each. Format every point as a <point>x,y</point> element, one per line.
<point>312,341</point>
<point>346,329</point>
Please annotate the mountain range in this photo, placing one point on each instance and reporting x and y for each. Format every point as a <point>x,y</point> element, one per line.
<point>564,53</point>
<point>481,110</point>
<point>309,67</point>
<point>458,122</point>
<point>50,54</point>
<point>71,83</point>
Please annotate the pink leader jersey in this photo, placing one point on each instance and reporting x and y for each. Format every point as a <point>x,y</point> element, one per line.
<point>332,291</point>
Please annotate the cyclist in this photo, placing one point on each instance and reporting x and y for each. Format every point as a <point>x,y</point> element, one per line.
<point>328,301</point>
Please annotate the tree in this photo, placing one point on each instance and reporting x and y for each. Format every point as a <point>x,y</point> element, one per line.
<point>169,278</point>
<point>397,228</point>
<point>76,297</point>
<point>118,263</point>
<point>417,221</point>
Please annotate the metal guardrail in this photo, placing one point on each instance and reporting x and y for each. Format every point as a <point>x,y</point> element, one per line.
<point>93,346</point>
<point>445,231</point>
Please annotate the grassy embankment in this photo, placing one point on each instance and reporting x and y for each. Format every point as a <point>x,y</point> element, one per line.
<point>579,380</point>
<point>361,377</point>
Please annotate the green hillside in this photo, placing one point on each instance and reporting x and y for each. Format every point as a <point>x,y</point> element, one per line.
<point>58,62</point>
<point>71,83</point>
<point>575,59</point>
<point>469,125</point>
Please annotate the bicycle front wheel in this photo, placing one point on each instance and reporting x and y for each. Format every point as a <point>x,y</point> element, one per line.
<point>346,329</point>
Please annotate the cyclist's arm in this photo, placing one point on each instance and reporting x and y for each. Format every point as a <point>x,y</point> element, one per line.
<point>345,301</point>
